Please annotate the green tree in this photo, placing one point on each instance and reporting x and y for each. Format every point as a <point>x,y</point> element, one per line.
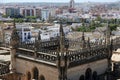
<point>30,17</point>
<point>98,18</point>
<point>4,16</point>
<point>20,20</point>
<point>113,26</point>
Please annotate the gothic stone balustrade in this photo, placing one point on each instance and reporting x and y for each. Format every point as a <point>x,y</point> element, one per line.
<point>4,68</point>
<point>49,57</point>
<point>41,44</point>
<point>97,50</point>
<point>84,56</point>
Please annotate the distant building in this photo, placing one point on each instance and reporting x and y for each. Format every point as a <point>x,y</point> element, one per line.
<point>53,32</point>
<point>59,11</point>
<point>38,13</point>
<point>24,31</point>
<point>52,12</point>
<point>30,12</point>
<point>45,13</point>
<point>12,12</point>
<point>0,15</point>
<point>72,3</point>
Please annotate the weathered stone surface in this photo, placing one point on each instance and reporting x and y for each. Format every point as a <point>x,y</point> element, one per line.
<point>24,66</point>
<point>98,66</point>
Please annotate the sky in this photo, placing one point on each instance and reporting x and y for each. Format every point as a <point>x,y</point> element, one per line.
<point>7,1</point>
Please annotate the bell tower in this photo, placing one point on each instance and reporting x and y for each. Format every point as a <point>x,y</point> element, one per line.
<point>108,33</point>
<point>72,3</point>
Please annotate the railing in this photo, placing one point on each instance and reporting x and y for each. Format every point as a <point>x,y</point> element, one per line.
<point>88,55</point>
<point>7,45</point>
<point>41,50</point>
<point>49,57</point>
<point>4,67</point>
<point>46,57</point>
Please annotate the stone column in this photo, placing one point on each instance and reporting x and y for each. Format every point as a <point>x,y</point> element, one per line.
<point>13,59</point>
<point>14,42</point>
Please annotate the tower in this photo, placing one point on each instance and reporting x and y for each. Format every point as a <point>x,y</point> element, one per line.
<point>39,36</point>
<point>72,3</point>
<point>109,43</point>
<point>14,41</point>
<point>62,38</point>
<point>62,60</point>
<point>108,33</point>
<point>83,41</point>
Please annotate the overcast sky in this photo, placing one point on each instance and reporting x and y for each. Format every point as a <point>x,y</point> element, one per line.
<point>4,1</point>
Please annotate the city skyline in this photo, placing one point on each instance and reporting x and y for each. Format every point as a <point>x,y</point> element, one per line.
<point>9,1</point>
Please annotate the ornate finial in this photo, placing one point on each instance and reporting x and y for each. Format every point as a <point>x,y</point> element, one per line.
<point>35,45</point>
<point>14,41</point>
<point>101,41</point>
<point>88,43</point>
<point>83,36</point>
<point>107,33</point>
<point>39,36</point>
<point>62,61</point>
<point>61,29</point>
<point>62,37</point>
<point>83,40</point>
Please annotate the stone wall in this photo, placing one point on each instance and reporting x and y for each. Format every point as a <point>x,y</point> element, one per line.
<point>25,66</point>
<point>98,66</point>
<point>51,73</point>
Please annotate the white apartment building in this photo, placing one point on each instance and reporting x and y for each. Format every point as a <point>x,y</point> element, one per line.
<point>24,31</point>
<point>45,13</point>
<point>53,31</point>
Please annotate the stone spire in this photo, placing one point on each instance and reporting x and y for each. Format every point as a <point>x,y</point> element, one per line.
<point>108,33</point>
<point>2,33</point>
<point>83,40</point>
<point>62,56</point>
<point>88,43</point>
<point>39,36</point>
<point>14,41</point>
<point>62,38</point>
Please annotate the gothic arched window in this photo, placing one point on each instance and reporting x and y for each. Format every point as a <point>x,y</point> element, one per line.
<point>28,76</point>
<point>35,73</point>
<point>42,77</point>
<point>82,77</point>
<point>94,76</point>
<point>88,74</point>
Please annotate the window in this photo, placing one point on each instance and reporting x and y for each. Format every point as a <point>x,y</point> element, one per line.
<point>24,33</point>
<point>42,77</point>
<point>29,36</point>
<point>19,78</point>
<point>88,74</point>
<point>82,77</point>
<point>28,76</point>
<point>94,76</point>
<point>35,73</point>
<point>25,38</point>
